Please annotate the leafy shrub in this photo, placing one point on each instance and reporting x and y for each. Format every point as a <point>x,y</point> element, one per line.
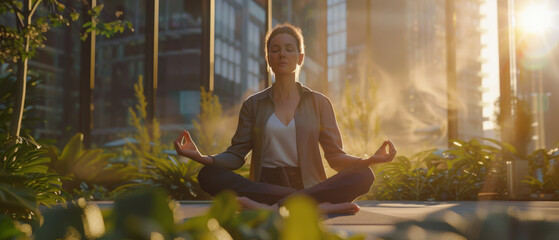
<point>211,130</point>
<point>89,171</point>
<point>150,214</point>
<point>492,225</point>
<point>155,167</point>
<point>405,179</point>
<point>25,181</point>
<point>458,173</point>
<point>147,135</point>
<point>214,129</point>
<point>544,171</point>
<point>9,228</point>
<point>177,178</point>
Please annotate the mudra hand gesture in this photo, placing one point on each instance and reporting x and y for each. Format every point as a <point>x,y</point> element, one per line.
<point>187,148</point>
<point>383,156</point>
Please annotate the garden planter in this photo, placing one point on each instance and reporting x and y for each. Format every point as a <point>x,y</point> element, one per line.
<point>541,196</point>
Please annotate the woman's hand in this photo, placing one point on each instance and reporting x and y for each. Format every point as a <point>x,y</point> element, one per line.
<point>187,148</point>
<point>382,156</point>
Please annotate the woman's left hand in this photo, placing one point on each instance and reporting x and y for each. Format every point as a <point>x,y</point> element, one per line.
<point>383,156</point>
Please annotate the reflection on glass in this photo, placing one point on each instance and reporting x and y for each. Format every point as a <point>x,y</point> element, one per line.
<point>239,56</point>
<point>119,63</point>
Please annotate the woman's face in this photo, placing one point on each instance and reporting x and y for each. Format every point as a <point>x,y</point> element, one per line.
<point>283,55</point>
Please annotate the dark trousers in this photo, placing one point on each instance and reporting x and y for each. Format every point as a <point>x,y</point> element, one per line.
<point>345,186</point>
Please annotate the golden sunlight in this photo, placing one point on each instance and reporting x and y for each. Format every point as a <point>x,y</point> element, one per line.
<point>535,18</point>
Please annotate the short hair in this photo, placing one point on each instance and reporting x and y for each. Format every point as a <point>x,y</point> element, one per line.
<point>289,29</point>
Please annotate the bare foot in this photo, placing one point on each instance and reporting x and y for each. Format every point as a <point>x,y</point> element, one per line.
<point>247,203</point>
<point>338,208</point>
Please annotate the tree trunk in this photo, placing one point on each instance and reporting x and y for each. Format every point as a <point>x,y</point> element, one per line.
<point>21,81</point>
<point>21,85</point>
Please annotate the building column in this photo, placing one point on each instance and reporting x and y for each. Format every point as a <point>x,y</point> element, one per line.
<point>151,57</point>
<point>452,89</point>
<point>208,38</point>
<point>87,78</point>
<point>268,23</point>
<point>517,168</point>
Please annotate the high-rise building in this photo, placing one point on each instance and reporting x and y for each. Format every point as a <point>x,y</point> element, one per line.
<point>240,66</point>
<point>403,50</point>
<point>468,69</point>
<point>489,73</point>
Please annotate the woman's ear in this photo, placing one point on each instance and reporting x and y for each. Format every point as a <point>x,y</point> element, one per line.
<point>301,59</point>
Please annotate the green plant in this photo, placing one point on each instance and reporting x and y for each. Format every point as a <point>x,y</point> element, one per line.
<point>155,167</point>
<point>211,130</point>
<point>553,170</point>
<point>177,178</point>
<point>405,179</point>
<point>148,137</point>
<point>9,228</point>
<point>457,173</point>
<point>496,224</point>
<point>25,181</point>
<point>151,214</point>
<point>539,186</point>
<point>298,219</point>
<point>17,200</point>
<point>544,166</point>
<point>87,169</point>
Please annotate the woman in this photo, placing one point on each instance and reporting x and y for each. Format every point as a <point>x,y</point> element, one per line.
<point>283,126</point>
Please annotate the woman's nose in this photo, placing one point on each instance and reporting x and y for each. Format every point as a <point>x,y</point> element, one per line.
<point>282,53</point>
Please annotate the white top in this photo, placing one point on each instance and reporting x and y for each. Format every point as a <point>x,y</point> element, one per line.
<point>280,144</point>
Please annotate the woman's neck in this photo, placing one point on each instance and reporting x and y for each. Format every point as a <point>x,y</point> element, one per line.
<point>285,86</point>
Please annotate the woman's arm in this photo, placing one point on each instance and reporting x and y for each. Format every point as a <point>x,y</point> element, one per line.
<point>241,143</point>
<point>234,157</point>
<point>330,138</point>
<point>331,142</point>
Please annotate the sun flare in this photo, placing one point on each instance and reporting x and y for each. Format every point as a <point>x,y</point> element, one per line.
<point>535,18</point>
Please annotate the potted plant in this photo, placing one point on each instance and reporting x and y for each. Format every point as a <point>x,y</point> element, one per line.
<point>540,189</point>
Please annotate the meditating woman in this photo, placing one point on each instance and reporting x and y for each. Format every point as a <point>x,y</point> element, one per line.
<point>283,126</point>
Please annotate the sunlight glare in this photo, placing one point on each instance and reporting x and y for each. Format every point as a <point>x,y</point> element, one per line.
<point>535,19</point>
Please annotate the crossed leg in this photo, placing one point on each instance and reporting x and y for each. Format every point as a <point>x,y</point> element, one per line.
<point>334,195</point>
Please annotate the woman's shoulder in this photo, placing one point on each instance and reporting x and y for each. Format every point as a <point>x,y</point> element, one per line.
<point>318,96</point>
<point>257,96</point>
<point>315,94</point>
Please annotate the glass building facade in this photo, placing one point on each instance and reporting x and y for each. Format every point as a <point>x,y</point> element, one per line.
<point>403,44</point>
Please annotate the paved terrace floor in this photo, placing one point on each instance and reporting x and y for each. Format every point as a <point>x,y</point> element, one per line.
<point>379,217</point>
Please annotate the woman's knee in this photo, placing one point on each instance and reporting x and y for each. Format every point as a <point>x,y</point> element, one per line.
<point>206,178</point>
<point>364,176</point>
<point>203,174</point>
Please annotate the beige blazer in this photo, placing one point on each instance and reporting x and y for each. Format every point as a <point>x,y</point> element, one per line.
<point>315,123</point>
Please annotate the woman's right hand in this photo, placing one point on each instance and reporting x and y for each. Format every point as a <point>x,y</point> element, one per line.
<point>187,148</point>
